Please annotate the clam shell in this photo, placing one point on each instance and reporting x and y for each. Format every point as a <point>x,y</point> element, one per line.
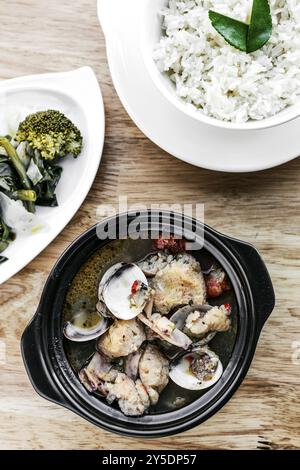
<point>106,276</point>
<point>177,338</point>
<point>116,292</point>
<point>180,316</point>
<point>85,326</point>
<point>182,375</point>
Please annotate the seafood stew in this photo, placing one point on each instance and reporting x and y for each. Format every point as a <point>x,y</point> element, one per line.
<point>167,335</point>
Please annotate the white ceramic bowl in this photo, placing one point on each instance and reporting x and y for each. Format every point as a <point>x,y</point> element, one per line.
<point>149,36</point>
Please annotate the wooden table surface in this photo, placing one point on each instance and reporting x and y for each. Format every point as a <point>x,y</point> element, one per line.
<point>39,36</point>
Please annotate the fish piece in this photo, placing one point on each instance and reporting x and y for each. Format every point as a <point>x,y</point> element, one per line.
<point>154,372</point>
<point>181,282</point>
<point>122,338</point>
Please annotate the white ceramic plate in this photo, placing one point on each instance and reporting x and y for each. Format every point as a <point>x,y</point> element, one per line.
<point>191,141</point>
<point>77,94</point>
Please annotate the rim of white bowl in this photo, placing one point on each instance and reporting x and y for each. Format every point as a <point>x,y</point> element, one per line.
<point>278,119</point>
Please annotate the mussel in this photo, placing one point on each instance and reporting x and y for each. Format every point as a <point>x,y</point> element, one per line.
<point>197,370</point>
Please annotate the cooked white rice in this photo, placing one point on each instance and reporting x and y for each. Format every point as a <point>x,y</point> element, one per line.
<point>222,81</point>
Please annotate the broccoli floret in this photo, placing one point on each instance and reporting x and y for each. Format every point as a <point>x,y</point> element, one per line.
<point>52,133</point>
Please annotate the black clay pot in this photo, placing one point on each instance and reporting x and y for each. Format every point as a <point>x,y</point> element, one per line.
<point>45,352</point>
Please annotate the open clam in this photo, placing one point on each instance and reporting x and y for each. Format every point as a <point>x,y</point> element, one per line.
<point>179,318</point>
<point>106,276</point>
<point>126,292</point>
<point>85,326</point>
<point>166,330</point>
<point>202,322</point>
<point>197,370</point>
<point>101,307</point>
<point>131,364</point>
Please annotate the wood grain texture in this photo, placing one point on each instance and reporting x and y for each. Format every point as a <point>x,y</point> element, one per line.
<point>264,208</point>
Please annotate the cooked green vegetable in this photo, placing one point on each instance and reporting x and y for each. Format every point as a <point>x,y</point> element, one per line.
<point>51,133</point>
<point>46,188</point>
<point>7,175</point>
<point>18,166</point>
<point>29,173</point>
<point>243,36</point>
<point>24,195</point>
<point>6,236</point>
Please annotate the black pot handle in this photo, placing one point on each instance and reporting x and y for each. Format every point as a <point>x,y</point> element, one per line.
<point>35,365</point>
<point>258,277</point>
